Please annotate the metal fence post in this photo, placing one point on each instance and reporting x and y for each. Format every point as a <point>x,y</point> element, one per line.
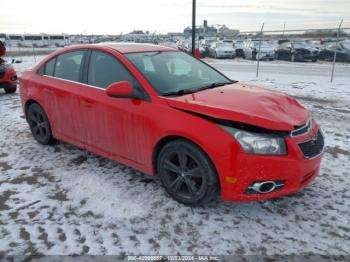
<point>34,55</point>
<point>335,52</point>
<point>258,54</point>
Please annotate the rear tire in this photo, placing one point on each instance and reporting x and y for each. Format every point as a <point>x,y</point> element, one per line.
<point>187,174</point>
<point>39,125</point>
<point>10,90</point>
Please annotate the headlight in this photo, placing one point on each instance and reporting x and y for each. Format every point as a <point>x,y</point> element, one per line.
<point>260,144</point>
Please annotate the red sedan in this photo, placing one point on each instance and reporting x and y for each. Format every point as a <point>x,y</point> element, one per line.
<point>166,113</point>
<point>8,76</point>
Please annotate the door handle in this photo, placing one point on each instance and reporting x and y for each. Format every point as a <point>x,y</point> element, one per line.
<point>87,102</point>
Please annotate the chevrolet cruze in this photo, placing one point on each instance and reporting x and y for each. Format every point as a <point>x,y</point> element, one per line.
<point>169,114</point>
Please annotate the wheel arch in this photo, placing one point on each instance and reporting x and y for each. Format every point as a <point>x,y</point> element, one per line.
<point>31,101</point>
<point>28,103</point>
<point>166,140</point>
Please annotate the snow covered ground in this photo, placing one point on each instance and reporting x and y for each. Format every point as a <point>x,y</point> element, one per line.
<point>63,200</point>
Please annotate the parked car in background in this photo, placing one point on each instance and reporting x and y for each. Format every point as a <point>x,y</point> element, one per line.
<point>222,50</point>
<point>315,43</point>
<point>251,50</point>
<point>238,46</point>
<point>186,46</point>
<point>169,44</point>
<point>343,51</point>
<point>168,114</point>
<point>8,76</point>
<point>296,51</point>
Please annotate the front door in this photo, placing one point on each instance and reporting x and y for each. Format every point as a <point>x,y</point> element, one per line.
<point>112,125</point>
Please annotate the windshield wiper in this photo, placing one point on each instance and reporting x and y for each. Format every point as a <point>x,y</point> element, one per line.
<point>191,91</point>
<point>180,92</point>
<point>214,85</point>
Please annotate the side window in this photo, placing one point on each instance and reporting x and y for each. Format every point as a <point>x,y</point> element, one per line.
<point>104,69</point>
<point>68,65</point>
<point>50,67</point>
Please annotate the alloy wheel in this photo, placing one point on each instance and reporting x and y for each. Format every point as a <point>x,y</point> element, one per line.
<point>39,125</point>
<point>183,176</point>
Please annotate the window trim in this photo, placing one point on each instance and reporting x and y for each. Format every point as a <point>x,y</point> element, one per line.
<point>82,64</point>
<point>83,75</point>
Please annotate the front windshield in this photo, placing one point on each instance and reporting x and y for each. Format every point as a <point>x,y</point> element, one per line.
<point>263,44</point>
<point>224,45</point>
<point>171,71</point>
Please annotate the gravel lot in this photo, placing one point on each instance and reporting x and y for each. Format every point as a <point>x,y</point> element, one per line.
<point>63,200</point>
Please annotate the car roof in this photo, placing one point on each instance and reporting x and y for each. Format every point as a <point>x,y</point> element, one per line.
<point>125,48</point>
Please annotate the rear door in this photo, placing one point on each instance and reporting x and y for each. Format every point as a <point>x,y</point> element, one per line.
<point>114,126</point>
<point>61,93</point>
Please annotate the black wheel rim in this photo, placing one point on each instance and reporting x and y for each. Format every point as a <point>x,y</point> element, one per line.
<point>183,175</point>
<point>38,124</point>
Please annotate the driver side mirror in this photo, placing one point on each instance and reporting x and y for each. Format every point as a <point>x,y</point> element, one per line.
<point>121,89</point>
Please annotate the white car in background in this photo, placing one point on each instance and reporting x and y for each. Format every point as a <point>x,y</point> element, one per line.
<point>222,50</point>
<point>169,44</point>
<point>251,50</point>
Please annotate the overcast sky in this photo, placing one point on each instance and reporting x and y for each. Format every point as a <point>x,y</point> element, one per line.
<point>123,16</point>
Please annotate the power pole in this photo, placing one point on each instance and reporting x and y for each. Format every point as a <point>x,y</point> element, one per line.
<point>193,26</point>
<point>259,50</point>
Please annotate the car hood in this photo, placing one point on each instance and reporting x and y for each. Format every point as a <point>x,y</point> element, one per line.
<point>245,104</point>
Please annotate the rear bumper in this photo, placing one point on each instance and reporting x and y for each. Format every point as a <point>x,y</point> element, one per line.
<point>226,55</point>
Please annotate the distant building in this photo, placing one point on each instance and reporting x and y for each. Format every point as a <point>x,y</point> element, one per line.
<point>202,30</point>
<point>211,31</point>
<point>224,31</point>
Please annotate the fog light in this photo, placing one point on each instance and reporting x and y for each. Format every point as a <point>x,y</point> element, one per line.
<point>264,187</point>
<point>13,78</point>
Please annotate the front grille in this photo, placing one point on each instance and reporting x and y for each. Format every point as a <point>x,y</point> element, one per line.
<point>301,130</point>
<point>313,147</point>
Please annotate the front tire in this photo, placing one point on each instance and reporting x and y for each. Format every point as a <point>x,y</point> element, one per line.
<point>39,125</point>
<point>186,173</point>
